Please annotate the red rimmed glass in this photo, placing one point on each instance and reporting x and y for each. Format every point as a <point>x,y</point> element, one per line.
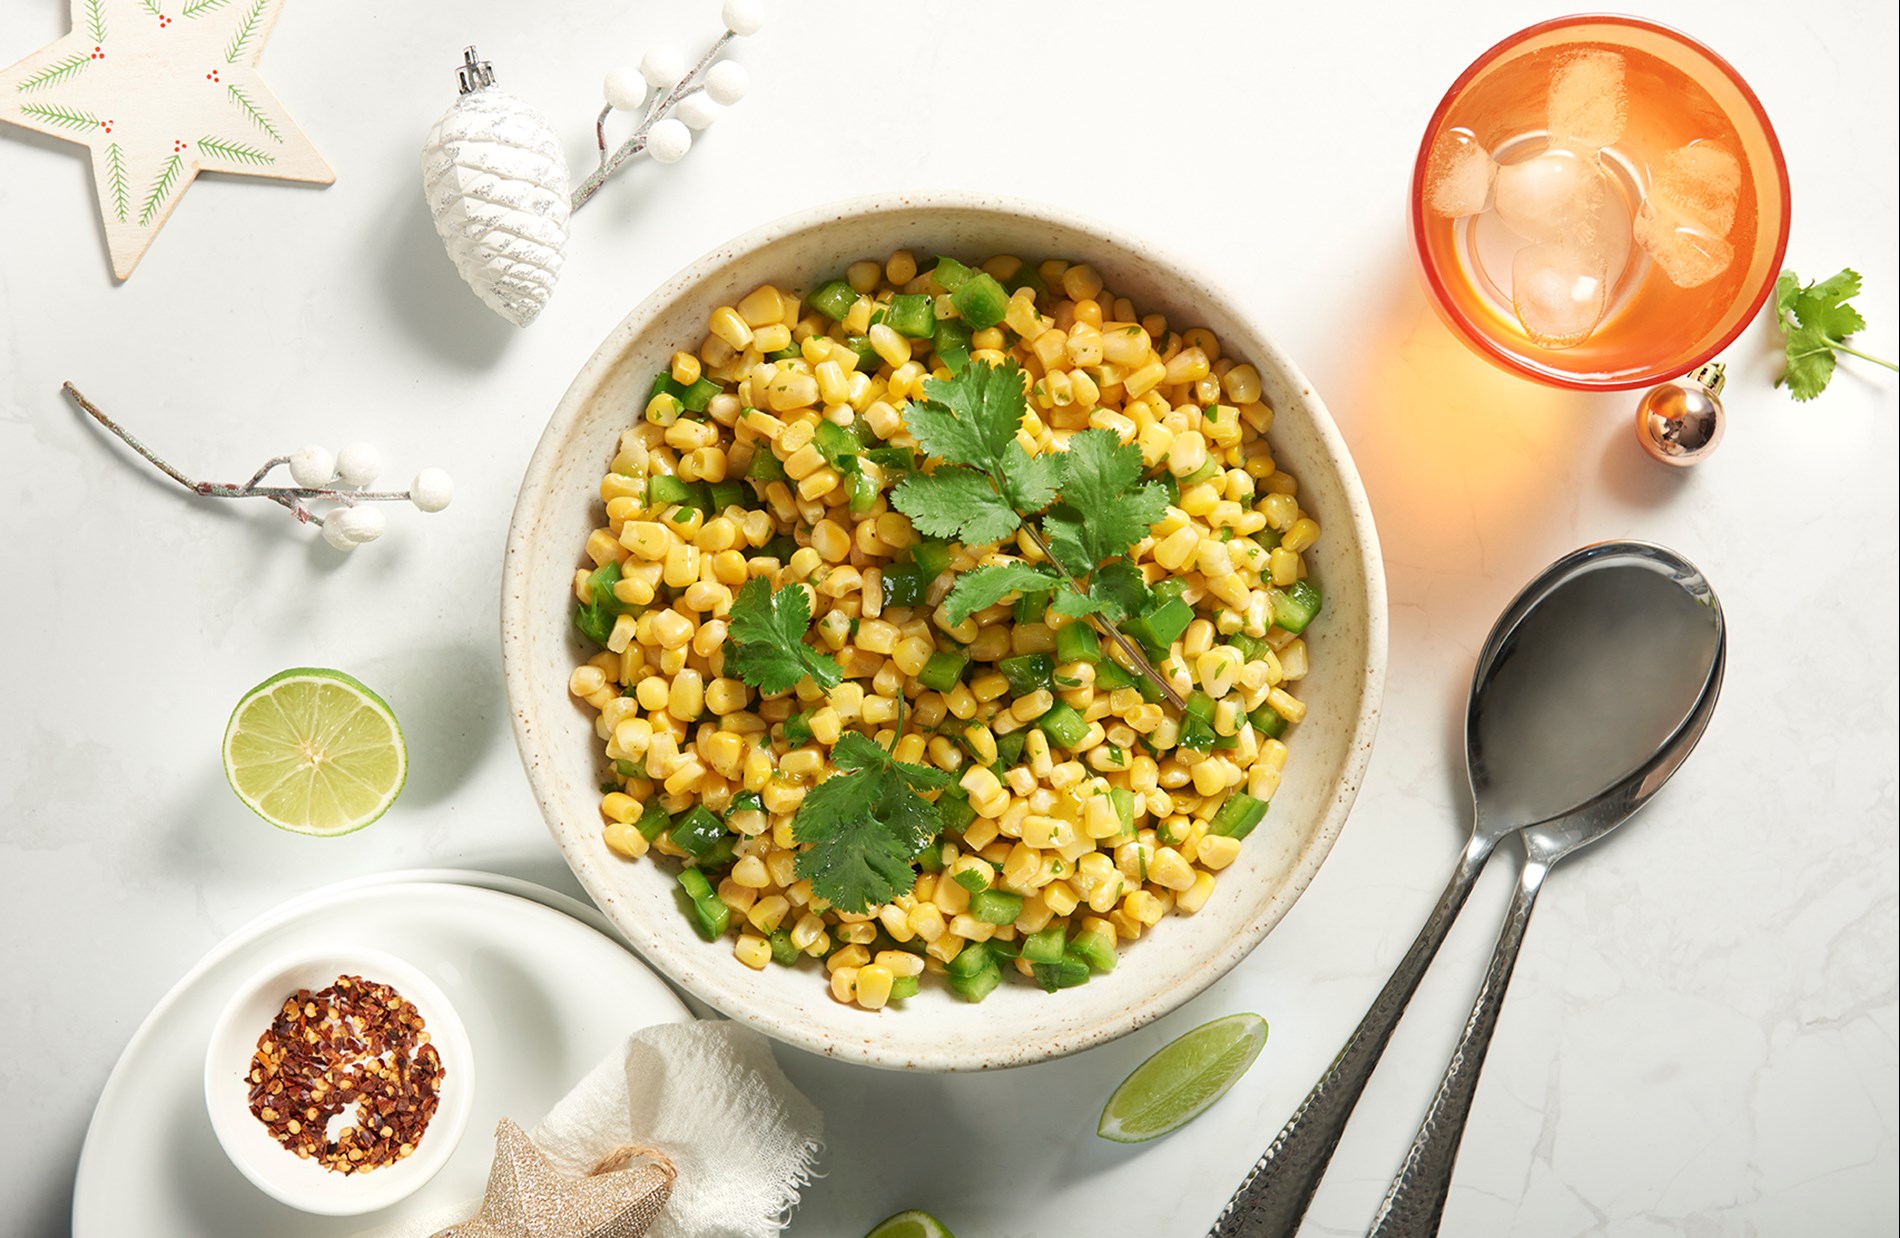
<point>1678,93</point>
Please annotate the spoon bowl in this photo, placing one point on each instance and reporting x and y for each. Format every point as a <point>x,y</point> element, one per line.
<point>1586,680</point>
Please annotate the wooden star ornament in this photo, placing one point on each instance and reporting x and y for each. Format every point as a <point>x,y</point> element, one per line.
<point>160,90</point>
<point>527,1197</point>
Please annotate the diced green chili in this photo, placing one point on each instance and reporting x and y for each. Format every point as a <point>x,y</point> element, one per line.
<point>834,299</point>
<point>996,906</point>
<point>981,301</point>
<point>1027,672</point>
<point>1238,816</point>
<point>1064,727</point>
<point>910,316</point>
<point>942,671</point>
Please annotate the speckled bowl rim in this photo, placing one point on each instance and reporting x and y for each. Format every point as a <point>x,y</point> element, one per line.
<point>723,984</point>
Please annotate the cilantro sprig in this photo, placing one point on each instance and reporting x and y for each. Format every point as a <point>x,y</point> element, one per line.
<point>1084,508</point>
<point>868,821</point>
<point>866,824</point>
<point>768,649</point>
<point>1816,319</point>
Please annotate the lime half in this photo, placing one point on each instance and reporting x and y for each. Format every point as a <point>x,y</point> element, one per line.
<point>1182,1079</point>
<point>314,751</point>
<point>912,1224</point>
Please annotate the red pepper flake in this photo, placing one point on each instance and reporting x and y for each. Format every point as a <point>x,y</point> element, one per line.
<point>356,1044</point>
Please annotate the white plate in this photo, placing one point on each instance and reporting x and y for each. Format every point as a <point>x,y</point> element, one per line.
<point>545,993</point>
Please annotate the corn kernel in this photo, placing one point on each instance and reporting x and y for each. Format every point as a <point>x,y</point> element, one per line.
<point>874,986</point>
<point>624,840</point>
<point>753,951</point>
<point>1195,896</point>
<point>1217,851</point>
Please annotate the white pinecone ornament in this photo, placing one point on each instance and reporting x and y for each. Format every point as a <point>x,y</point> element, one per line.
<point>498,188</point>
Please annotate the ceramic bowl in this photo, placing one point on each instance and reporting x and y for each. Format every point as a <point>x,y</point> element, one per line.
<point>1017,1024</point>
<point>304,1184</point>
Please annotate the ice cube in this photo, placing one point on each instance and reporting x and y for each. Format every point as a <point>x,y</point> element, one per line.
<point>1685,220</point>
<point>1586,100</point>
<point>1555,195</point>
<point>1459,174</point>
<point>1701,181</point>
<point>1688,252</point>
<point>1559,292</point>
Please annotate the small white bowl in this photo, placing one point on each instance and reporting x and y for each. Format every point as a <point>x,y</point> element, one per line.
<point>279,1173</point>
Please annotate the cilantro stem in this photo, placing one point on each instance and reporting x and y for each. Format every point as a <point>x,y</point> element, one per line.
<point>1788,325</point>
<point>1855,352</point>
<point>1115,633</point>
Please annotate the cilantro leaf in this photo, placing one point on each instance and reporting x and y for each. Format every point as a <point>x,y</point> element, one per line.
<point>956,503</point>
<point>1103,511</point>
<point>1787,288</point>
<point>1816,321</point>
<point>865,824</point>
<point>1092,502</point>
<point>1115,591</point>
<point>854,862</point>
<point>1029,482</point>
<point>1810,363</point>
<point>1822,307</point>
<point>768,648</point>
<point>984,587</point>
<point>1062,529</point>
<point>971,418</point>
<point>857,751</point>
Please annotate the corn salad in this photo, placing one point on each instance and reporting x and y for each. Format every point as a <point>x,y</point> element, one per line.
<point>1060,844</point>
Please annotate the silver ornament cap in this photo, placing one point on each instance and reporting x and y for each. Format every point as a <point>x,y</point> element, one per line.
<point>474,73</point>
<point>1680,423</point>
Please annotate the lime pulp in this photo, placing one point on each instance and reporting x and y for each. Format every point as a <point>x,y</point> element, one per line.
<point>911,1224</point>
<point>316,752</point>
<point>1182,1079</point>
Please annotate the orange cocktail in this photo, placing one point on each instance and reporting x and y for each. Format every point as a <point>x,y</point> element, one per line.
<point>1599,202</point>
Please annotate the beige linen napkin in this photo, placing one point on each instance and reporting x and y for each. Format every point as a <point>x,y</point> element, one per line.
<point>709,1096</point>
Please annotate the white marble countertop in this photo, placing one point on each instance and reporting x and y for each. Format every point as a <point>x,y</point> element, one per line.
<point>1701,1038</point>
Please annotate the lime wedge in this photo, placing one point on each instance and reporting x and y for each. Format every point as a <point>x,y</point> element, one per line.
<point>316,752</point>
<point>912,1224</point>
<point>1183,1078</point>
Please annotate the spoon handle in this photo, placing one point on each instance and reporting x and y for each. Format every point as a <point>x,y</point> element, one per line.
<point>1415,1204</point>
<point>1273,1196</point>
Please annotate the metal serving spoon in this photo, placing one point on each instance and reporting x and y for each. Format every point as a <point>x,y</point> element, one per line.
<point>1593,685</point>
<point>1681,616</point>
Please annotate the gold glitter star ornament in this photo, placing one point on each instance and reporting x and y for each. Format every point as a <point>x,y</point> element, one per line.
<point>527,1197</point>
<point>160,90</point>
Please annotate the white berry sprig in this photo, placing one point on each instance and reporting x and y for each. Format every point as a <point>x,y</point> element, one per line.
<point>687,100</point>
<point>340,479</point>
